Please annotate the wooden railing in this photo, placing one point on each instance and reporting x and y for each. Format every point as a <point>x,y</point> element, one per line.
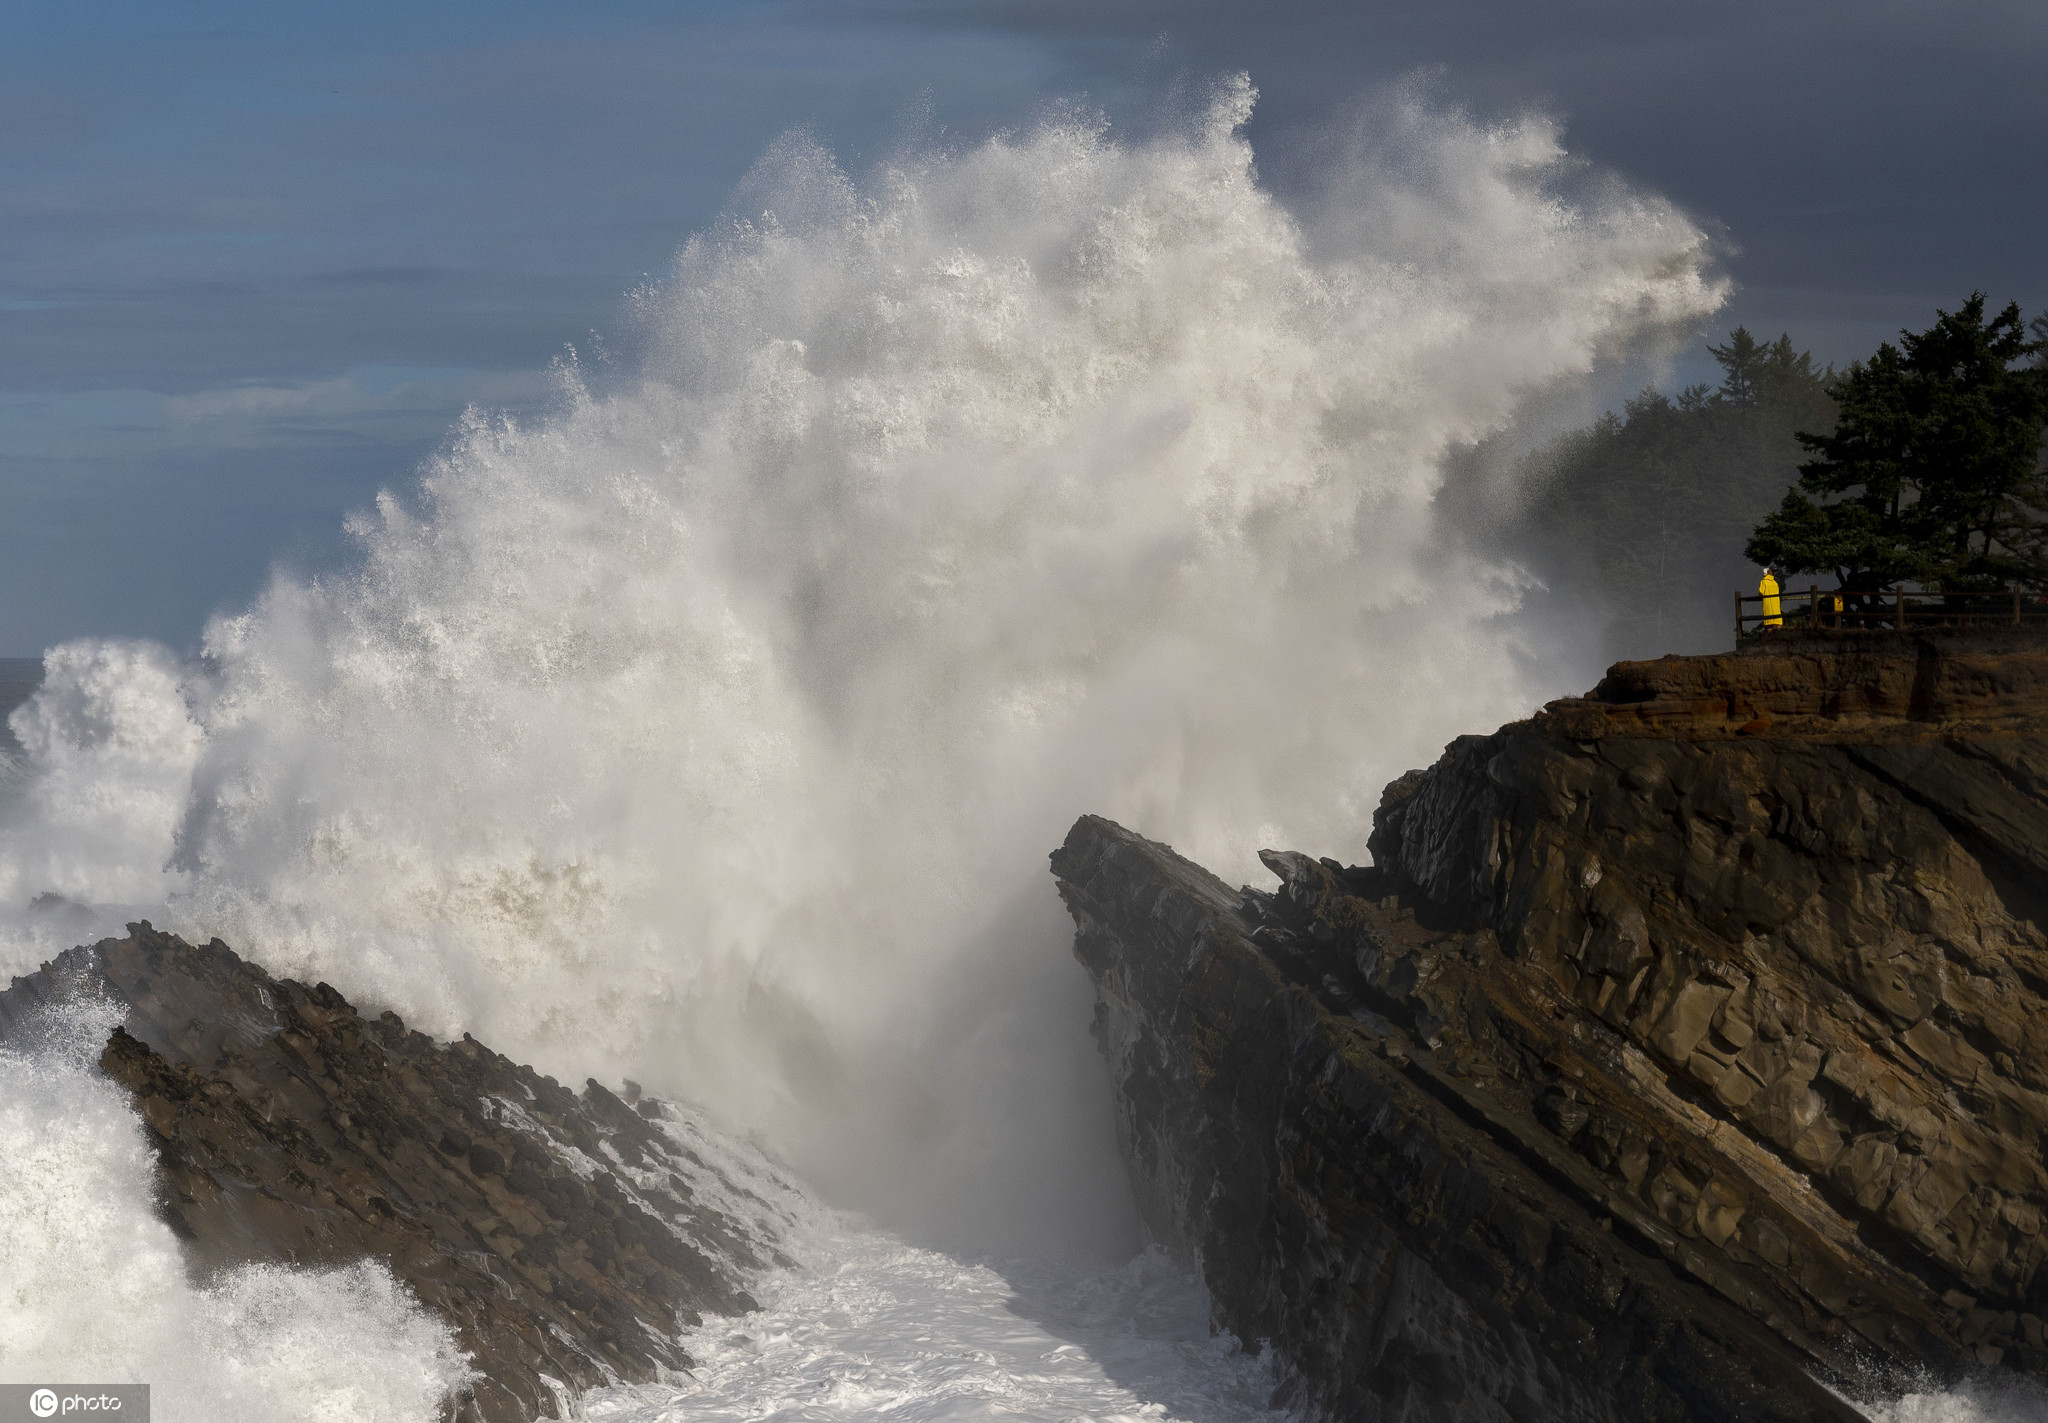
<point>1893,609</point>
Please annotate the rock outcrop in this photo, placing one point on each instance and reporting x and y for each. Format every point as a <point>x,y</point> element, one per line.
<point>1829,687</point>
<point>1674,1053</point>
<point>566,1238</point>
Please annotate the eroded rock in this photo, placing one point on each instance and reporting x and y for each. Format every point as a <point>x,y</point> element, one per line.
<point>565,1237</point>
<point>1663,1062</point>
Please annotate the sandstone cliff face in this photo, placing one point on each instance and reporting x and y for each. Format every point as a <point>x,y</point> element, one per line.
<point>1677,1047</point>
<point>564,1237</point>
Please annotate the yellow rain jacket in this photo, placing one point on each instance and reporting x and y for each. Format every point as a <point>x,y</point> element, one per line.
<point>1772,612</point>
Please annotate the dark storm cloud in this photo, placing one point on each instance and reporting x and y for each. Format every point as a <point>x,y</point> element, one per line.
<point>255,258</point>
<point>1865,160</point>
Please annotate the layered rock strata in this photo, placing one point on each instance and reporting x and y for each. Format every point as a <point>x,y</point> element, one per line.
<point>565,1237</point>
<point>1662,1063</point>
<point>1874,686</point>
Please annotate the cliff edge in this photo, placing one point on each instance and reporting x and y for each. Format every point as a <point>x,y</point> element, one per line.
<point>1673,1056</point>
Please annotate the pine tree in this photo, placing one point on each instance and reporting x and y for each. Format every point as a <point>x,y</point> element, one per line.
<point>1644,512</point>
<point>1933,473</point>
<point>1746,366</point>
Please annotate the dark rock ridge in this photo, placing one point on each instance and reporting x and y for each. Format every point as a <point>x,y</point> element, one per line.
<point>1674,1053</point>
<point>566,1238</point>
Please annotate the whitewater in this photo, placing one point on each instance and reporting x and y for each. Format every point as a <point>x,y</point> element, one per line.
<point>713,727</point>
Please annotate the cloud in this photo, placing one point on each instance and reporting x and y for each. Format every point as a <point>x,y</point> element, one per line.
<point>253,415</point>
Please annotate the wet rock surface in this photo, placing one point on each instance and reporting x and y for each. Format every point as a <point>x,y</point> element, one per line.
<point>565,1237</point>
<point>1656,1069</point>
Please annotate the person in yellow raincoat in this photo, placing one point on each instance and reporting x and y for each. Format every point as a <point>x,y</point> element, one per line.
<point>1769,588</point>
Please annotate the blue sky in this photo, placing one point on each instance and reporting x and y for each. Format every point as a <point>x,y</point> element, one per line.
<point>254,258</point>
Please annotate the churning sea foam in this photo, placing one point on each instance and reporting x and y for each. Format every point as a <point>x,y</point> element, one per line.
<point>874,1328</point>
<point>1993,1398</point>
<point>103,778</point>
<point>716,726</point>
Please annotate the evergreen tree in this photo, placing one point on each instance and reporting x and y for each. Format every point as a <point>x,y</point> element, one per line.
<point>1932,473</point>
<point>1644,512</point>
<point>1745,366</point>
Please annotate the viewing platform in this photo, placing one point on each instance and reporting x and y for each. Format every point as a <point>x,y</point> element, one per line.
<point>1818,610</point>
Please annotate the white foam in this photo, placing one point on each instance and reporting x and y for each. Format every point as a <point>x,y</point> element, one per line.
<point>103,779</point>
<point>93,1289</point>
<point>880,1329</point>
<point>1991,1399</point>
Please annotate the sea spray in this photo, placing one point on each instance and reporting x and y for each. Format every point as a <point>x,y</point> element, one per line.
<point>715,727</point>
<point>108,748</point>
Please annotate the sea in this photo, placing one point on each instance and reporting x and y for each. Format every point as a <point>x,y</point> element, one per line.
<point>712,727</point>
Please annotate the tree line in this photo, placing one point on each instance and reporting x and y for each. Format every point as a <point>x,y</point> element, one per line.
<point>1918,467</point>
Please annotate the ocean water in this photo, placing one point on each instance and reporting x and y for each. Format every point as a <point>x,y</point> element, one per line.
<point>713,728</point>
<point>1987,1400</point>
<point>871,1327</point>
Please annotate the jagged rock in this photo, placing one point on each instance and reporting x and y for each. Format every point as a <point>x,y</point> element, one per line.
<point>558,1234</point>
<point>1662,1062</point>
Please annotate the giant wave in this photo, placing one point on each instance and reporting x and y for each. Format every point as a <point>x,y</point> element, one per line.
<point>713,726</point>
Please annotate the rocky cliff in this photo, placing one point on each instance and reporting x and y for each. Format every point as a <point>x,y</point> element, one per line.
<point>565,1237</point>
<point>1673,1054</point>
